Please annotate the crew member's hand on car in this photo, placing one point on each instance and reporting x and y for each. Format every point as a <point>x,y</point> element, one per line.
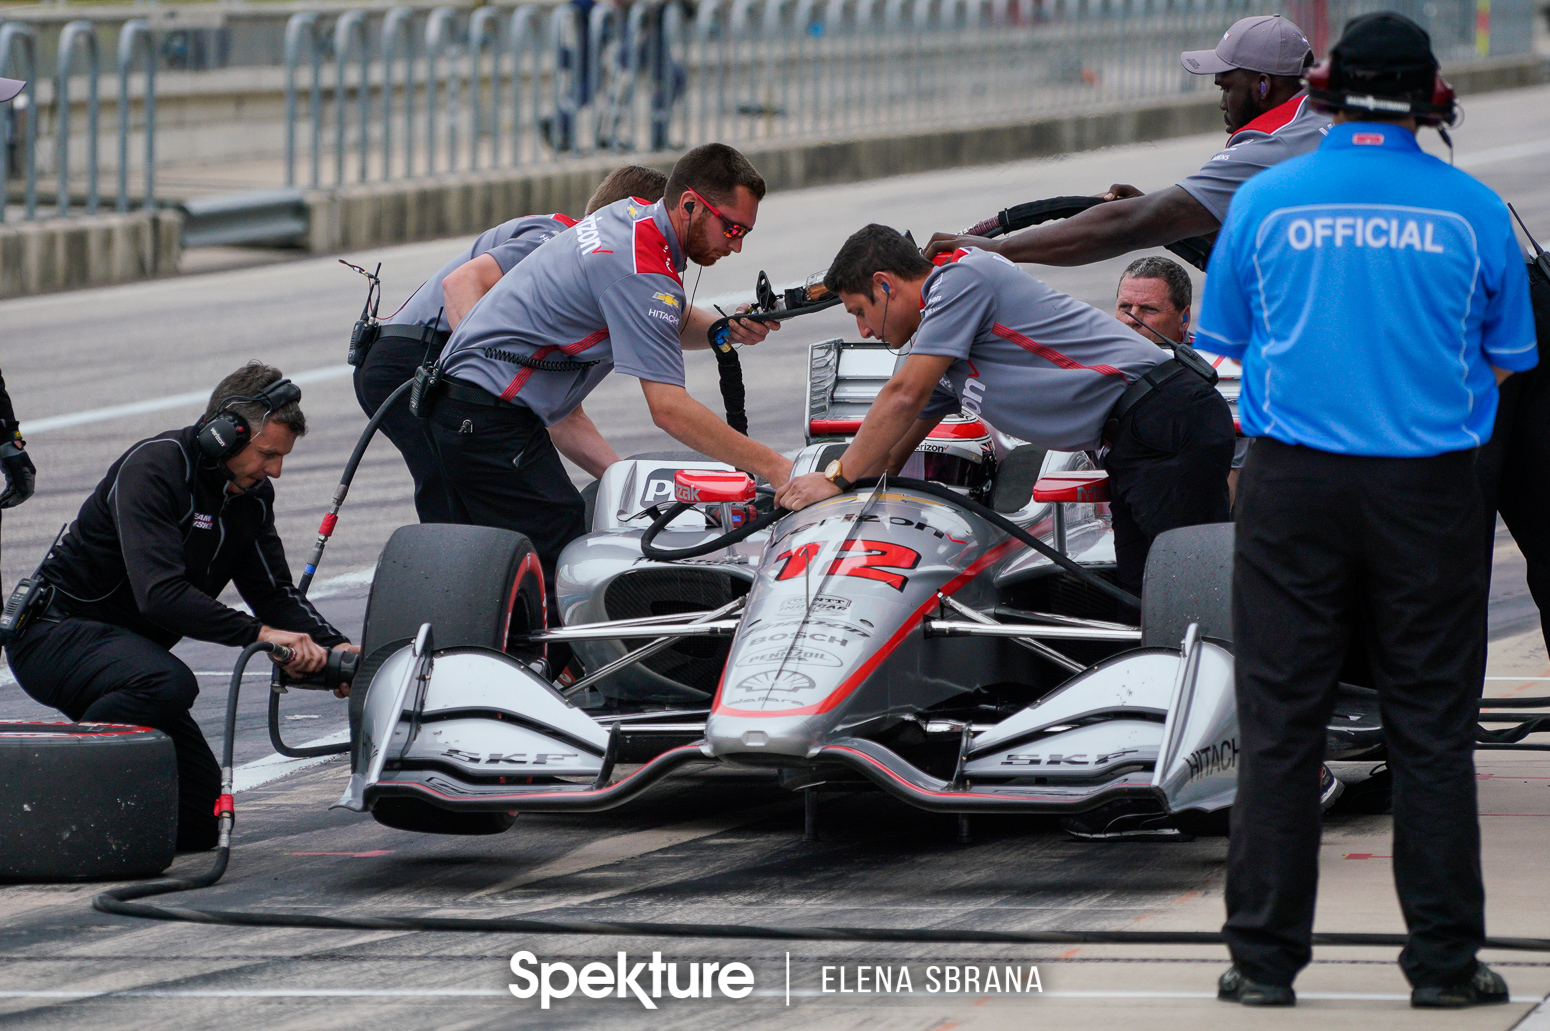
<point>801,491</point>
<point>21,476</point>
<point>308,657</point>
<point>343,690</point>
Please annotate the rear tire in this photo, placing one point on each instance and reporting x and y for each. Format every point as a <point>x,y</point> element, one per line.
<point>1188,580</point>
<point>92,801</point>
<point>478,586</point>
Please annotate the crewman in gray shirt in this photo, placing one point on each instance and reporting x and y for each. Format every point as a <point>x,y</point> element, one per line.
<point>1258,66</point>
<point>1036,364</point>
<point>418,330</point>
<point>607,294</point>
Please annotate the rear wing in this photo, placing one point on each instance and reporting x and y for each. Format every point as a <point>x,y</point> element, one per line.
<point>843,379</point>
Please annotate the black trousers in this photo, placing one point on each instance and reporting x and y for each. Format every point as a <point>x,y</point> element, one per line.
<point>1325,543</point>
<point>98,673</point>
<point>388,364</point>
<point>503,470</point>
<point>1514,473</point>
<point>1167,469</point>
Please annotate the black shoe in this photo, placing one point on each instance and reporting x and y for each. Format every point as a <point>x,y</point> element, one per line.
<point>1234,987</point>
<point>1485,988</point>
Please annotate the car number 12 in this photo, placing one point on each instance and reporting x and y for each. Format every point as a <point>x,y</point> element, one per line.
<point>870,560</point>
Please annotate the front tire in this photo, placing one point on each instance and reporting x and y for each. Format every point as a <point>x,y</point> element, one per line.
<point>478,586</point>
<point>1188,580</point>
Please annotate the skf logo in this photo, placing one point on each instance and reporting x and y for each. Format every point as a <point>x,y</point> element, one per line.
<point>203,522</point>
<point>515,758</point>
<point>667,299</point>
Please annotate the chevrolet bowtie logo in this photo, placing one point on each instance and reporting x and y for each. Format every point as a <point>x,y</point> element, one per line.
<point>667,299</point>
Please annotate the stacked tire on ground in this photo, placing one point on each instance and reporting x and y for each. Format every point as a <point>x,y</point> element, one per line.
<point>477,586</point>
<point>85,801</point>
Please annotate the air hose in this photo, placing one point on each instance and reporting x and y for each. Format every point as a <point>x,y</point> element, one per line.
<point>726,540</point>
<point>1194,249</point>
<point>325,531</point>
<point>729,367</point>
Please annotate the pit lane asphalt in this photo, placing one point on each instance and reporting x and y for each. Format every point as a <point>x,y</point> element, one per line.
<point>723,849</point>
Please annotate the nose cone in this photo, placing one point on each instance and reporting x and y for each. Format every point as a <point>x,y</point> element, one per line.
<point>742,737</point>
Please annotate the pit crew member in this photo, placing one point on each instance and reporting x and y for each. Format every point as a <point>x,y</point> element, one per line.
<point>1258,67</point>
<point>1038,365</point>
<point>1153,298</point>
<point>1358,506</point>
<point>154,545</point>
<point>1511,463</point>
<point>20,474</point>
<point>607,294</point>
<point>420,328</point>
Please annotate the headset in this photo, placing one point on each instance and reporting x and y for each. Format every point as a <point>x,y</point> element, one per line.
<point>1440,110</point>
<point>227,432</point>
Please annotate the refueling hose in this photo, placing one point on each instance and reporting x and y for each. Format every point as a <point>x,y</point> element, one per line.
<point>325,531</point>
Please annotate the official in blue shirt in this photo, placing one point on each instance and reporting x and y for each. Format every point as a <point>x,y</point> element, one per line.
<point>1376,297</point>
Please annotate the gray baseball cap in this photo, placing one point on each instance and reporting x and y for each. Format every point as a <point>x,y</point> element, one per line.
<point>1267,43</point>
<point>9,88</point>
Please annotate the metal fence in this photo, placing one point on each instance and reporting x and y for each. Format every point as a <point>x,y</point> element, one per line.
<point>376,94</point>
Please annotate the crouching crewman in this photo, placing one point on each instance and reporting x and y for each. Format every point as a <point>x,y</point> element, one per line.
<point>176,518</point>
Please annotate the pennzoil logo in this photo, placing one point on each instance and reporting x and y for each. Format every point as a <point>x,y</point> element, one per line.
<point>667,299</point>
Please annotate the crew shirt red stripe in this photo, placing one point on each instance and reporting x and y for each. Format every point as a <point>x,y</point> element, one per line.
<point>1278,117</point>
<point>1050,354</point>
<point>520,379</point>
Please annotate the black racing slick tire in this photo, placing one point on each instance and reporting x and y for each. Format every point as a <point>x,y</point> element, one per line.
<point>477,586</point>
<point>85,801</point>
<point>1188,580</point>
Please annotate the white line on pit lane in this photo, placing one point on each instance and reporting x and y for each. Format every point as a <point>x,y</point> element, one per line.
<point>495,993</point>
<point>274,766</point>
<point>158,404</point>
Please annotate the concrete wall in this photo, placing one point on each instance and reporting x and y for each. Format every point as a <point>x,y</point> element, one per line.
<point>354,217</point>
<point>62,254</point>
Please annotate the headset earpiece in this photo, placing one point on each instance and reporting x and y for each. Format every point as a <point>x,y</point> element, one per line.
<point>1439,110</point>
<point>225,434</point>
<point>885,287</point>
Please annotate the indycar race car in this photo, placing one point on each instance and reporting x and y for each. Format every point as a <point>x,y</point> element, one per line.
<point>952,637</point>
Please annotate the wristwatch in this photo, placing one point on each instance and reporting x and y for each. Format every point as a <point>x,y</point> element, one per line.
<point>834,474</point>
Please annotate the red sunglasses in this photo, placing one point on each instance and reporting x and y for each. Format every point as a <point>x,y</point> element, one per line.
<point>732,230</point>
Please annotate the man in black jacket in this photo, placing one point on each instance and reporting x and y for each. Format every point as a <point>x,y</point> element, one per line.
<point>174,521</point>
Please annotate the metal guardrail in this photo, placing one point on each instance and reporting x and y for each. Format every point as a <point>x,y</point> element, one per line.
<point>421,91</point>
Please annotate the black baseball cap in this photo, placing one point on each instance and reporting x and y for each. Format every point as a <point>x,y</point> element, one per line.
<point>1384,54</point>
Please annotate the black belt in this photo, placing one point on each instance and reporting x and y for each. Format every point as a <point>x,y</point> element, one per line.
<point>420,334</point>
<point>1137,392</point>
<point>472,395</point>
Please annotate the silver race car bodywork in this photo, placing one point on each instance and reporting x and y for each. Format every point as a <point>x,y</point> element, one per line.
<point>886,638</point>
